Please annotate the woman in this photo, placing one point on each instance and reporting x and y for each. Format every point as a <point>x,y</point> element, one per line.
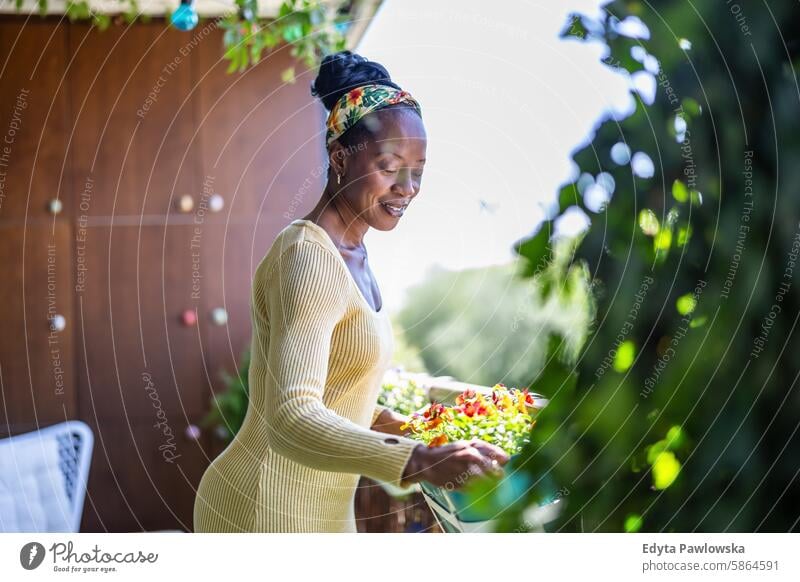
<point>322,339</point>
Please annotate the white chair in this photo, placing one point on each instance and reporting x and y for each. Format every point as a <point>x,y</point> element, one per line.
<point>43,478</point>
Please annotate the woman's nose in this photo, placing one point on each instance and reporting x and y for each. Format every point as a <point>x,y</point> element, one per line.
<point>404,184</point>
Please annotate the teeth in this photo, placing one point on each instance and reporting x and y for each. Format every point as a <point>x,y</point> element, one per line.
<point>393,208</point>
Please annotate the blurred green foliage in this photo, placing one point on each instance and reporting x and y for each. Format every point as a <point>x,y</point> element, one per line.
<point>681,411</point>
<point>484,326</point>
<point>406,354</point>
<point>312,28</point>
<point>228,408</point>
<point>403,395</point>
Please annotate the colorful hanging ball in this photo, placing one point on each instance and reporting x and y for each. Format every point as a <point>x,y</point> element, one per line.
<point>185,17</point>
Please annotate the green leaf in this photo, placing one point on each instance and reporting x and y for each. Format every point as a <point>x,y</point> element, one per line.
<point>625,355</point>
<point>686,304</point>
<point>679,191</point>
<point>575,28</point>
<point>537,250</point>
<point>698,321</point>
<point>130,16</point>
<point>675,437</point>
<point>286,9</point>
<point>666,469</point>
<point>648,222</point>
<point>672,217</point>
<point>684,234</point>
<point>654,450</point>
<point>633,523</point>
<point>691,107</point>
<point>292,33</point>
<point>234,60</point>
<point>662,241</point>
<point>569,196</point>
<point>255,52</point>
<point>103,21</point>
<point>269,38</point>
<point>78,10</point>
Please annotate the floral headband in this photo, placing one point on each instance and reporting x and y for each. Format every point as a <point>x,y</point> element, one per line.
<point>356,103</point>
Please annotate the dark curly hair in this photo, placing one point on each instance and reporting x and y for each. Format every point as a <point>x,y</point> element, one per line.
<point>343,71</point>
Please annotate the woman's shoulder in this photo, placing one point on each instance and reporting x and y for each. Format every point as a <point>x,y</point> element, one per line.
<point>297,233</point>
<point>301,241</point>
<point>302,268</point>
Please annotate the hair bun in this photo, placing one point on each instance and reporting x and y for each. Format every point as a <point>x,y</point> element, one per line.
<point>343,71</point>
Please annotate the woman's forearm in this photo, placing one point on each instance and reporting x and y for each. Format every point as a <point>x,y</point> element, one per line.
<point>389,422</point>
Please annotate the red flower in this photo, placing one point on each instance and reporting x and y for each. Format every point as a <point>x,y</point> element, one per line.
<point>468,394</point>
<point>354,96</point>
<point>526,396</point>
<point>438,441</point>
<point>434,422</point>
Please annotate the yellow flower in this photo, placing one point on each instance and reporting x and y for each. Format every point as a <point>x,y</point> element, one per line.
<point>521,406</point>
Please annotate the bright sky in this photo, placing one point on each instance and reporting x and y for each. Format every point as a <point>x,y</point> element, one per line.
<point>504,101</point>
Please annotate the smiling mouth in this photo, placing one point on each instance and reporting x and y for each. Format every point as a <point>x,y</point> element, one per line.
<point>395,210</point>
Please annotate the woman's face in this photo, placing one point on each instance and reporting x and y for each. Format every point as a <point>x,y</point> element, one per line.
<point>381,176</point>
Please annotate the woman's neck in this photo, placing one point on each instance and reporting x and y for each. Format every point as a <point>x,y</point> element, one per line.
<point>337,217</point>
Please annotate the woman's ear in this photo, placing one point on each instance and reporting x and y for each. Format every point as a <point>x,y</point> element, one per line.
<point>336,158</point>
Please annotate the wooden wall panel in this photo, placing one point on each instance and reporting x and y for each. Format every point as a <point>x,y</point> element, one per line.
<point>37,366</point>
<point>33,120</point>
<point>233,253</point>
<point>138,285</point>
<point>143,477</point>
<point>133,120</point>
<point>261,138</point>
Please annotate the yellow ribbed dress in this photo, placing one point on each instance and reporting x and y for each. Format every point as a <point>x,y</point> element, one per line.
<point>318,354</point>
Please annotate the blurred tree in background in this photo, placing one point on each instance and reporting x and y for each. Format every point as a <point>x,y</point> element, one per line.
<point>406,354</point>
<point>487,325</point>
<point>681,412</point>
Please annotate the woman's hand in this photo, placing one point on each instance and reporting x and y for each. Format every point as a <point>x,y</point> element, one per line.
<point>454,464</point>
<point>390,422</point>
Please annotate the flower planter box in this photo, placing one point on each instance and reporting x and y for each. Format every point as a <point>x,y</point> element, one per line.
<point>399,492</point>
<point>456,512</point>
<point>499,415</point>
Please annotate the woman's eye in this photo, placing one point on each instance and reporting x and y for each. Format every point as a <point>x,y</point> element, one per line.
<point>391,171</point>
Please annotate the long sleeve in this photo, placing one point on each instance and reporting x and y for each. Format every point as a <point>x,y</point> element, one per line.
<point>306,297</point>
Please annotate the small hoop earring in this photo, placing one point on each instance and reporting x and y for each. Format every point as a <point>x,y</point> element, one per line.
<point>338,179</point>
